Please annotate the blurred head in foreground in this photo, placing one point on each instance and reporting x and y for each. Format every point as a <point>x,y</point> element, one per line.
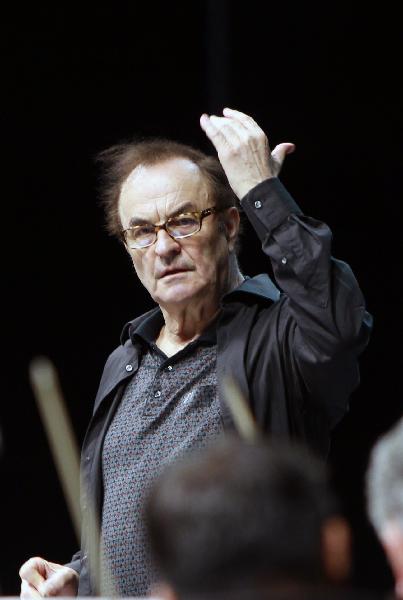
<point>385,498</point>
<point>246,517</point>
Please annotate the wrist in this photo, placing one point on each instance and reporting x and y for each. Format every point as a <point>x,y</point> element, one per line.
<point>251,188</point>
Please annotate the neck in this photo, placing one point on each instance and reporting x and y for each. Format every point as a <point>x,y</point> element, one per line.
<point>184,323</point>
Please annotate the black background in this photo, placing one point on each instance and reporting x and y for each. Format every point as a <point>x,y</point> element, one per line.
<point>79,77</point>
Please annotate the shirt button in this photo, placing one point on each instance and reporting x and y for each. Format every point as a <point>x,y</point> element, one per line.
<point>169,367</point>
<point>258,204</point>
<point>129,368</point>
<point>284,260</point>
<point>87,458</point>
<point>157,394</point>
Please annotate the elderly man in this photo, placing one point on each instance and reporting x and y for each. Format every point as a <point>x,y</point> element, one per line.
<point>385,498</point>
<point>292,353</point>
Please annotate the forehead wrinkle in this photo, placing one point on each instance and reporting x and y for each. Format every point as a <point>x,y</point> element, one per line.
<point>163,201</point>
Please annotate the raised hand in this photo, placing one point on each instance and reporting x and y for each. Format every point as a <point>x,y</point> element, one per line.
<point>243,149</point>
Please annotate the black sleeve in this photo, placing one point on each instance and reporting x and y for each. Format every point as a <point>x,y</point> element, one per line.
<point>323,296</point>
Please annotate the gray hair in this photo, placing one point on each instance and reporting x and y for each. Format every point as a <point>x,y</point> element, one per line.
<point>384,480</point>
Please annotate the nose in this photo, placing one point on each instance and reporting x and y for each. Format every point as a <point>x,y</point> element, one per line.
<point>165,245</point>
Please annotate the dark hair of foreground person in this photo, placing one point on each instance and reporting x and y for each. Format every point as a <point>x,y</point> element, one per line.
<point>249,520</point>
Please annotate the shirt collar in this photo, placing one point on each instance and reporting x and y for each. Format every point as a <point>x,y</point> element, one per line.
<point>147,331</point>
<point>147,328</point>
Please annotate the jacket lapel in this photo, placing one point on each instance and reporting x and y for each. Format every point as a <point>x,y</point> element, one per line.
<point>235,321</point>
<point>121,365</point>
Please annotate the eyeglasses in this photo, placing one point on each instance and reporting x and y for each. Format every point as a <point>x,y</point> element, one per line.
<point>181,226</point>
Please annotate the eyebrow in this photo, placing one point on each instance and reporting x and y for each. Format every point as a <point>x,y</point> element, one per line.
<point>186,207</point>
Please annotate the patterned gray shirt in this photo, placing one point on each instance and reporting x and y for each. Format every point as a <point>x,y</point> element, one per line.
<point>169,407</point>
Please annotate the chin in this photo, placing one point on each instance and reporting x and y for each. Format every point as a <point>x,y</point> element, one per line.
<point>177,293</point>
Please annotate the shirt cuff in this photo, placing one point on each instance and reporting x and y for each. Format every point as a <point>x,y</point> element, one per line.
<point>268,205</point>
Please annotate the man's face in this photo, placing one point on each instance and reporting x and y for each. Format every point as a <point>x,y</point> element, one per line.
<point>177,272</point>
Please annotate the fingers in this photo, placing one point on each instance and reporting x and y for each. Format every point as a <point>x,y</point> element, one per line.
<point>41,578</point>
<point>53,585</point>
<point>243,149</point>
<point>247,123</point>
<point>230,130</point>
<point>33,571</point>
<point>28,591</point>
<point>232,136</point>
<point>213,128</point>
<point>245,120</point>
<point>280,151</point>
<point>231,112</point>
<point>61,582</point>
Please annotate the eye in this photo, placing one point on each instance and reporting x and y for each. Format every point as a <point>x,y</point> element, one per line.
<point>142,230</point>
<point>186,220</point>
<point>140,235</point>
<point>183,224</point>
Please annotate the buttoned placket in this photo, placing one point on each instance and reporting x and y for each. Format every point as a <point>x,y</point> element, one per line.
<point>158,391</point>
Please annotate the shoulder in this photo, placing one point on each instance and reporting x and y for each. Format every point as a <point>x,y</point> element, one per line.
<point>260,287</point>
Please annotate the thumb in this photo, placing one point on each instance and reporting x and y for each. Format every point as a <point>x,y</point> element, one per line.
<point>281,150</point>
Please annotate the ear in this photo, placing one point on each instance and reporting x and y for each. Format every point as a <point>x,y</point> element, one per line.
<point>336,549</point>
<point>392,540</point>
<point>231,222</point>
<point>163,591</point>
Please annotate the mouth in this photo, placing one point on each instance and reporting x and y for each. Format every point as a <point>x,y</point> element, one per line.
<point>170,272</point>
